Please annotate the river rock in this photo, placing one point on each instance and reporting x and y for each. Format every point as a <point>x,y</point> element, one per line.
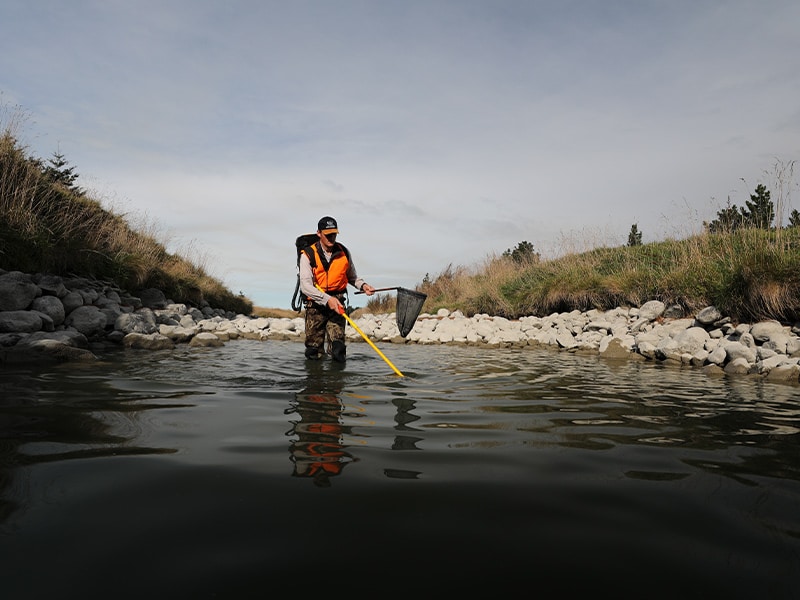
<point>153,298</point>
<point>51,306</point>
<point>151,341</point>
<point>142,321</point>
<point>20,321</point>
<point>763,331</point>
<point>709,315</point>
<point>738,366</point>
<point>652,310</point>
<point>50,285</point>
<point>71,301</point>
<point>691,340</point>
<point>738,350</point>
<point>784,373</point>
<point>88,320</point>
<point>17,291</point>
<point>51,349</point>
<point>205,339</point>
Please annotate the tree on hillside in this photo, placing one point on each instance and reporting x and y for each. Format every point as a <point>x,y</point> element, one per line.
<point>794,218</point>
<point>524,252</point>
<point>728,219</point>
<point>759,211</point>
<point>635,236</point>
<point>58,170</point>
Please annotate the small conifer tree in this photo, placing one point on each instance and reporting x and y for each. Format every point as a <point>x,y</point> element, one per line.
<point>524,252</point>
<point>759,211</point>
<point>58,170</point>
<point>635,236</point>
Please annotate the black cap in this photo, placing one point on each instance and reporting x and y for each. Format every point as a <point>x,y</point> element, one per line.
<point>327,225</point>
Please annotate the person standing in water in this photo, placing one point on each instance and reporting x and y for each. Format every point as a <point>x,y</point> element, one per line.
<point>326,268</point>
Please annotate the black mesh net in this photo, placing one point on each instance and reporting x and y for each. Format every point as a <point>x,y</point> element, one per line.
<point>409,304</point>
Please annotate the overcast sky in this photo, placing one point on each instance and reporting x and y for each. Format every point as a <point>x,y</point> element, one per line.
<point>437,132</point>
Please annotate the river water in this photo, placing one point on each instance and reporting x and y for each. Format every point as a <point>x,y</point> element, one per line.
<point>246,471</point>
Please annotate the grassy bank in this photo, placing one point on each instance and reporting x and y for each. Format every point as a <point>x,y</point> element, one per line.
<point>749,274</point>
<point>49,225</point>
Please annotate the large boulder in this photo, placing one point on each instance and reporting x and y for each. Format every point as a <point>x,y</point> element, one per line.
<point>88,320</point>
<point>151,341</point>
<point>51,285</point>
<point>49,348</point>
<point>206,339</point>
<point>71,301</point>
<point>20,321</point>
<point>692,340</point>
<point>142,321</point>
<point>709,315</point>
<point>17,291</point>
<point>652,310</point>
<point>766,330</point>
<point>153,298</point>
<point>51,306</point>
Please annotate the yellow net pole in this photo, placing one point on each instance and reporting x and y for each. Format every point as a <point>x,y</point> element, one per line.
<point>369,341</point>
<point>363,335</point>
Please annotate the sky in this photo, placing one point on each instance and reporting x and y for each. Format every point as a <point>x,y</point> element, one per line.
<point>438,133</point>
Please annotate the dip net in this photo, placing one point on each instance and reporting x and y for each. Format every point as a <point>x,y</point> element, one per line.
<point>409,304</point>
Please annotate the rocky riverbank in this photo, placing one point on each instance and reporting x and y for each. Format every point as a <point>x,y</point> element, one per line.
<point>48,317</point>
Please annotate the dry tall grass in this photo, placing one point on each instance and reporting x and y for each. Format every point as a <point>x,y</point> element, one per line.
<point>46,226</point>
<point>750,274</point>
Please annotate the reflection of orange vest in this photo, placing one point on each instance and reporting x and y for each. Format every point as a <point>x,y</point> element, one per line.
<point>325,457</point>
<point>325,399</point>
<point>331,277</point>
<point>334,408</point>
<point>325,428</point>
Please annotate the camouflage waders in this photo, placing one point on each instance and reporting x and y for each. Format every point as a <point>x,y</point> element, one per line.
<point>322,323</point>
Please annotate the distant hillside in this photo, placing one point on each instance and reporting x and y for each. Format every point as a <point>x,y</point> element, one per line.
<point>49,225</point>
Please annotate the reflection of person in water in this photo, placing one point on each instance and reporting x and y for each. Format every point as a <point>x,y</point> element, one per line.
<point>318,450</point>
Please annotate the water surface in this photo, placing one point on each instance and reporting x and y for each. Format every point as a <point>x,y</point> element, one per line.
<point>243,471</point>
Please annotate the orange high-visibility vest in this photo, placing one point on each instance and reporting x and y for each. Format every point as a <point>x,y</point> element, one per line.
<point>330,277</point>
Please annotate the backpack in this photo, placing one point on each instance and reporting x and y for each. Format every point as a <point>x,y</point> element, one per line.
<point>301,243</point>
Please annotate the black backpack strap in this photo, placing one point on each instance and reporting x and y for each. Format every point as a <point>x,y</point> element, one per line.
<point>312,257</point>
<point>302,243</point>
